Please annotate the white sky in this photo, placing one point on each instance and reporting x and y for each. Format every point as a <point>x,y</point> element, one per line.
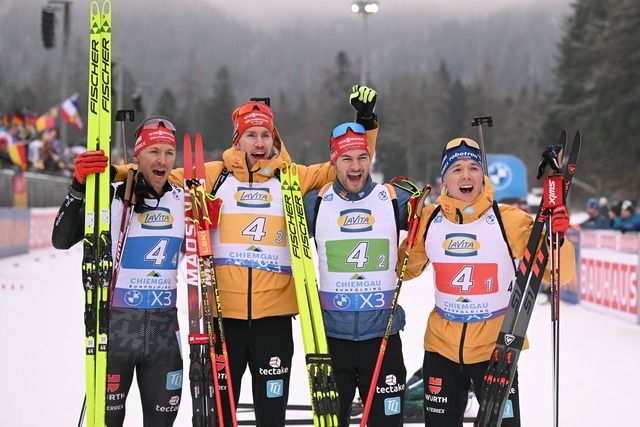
<point>283,12</point>
<point>41,331</point>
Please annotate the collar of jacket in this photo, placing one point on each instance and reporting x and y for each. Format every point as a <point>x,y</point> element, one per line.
<point>235,160</point>
<point>461,212</point>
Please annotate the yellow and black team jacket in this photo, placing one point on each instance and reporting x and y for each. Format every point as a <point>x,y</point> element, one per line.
<point>473,342</point>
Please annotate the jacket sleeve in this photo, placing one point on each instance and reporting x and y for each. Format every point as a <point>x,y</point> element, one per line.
<point>309,209</point>
<point>68,227</point>
<point>518,226</point>
<point>418,259</point>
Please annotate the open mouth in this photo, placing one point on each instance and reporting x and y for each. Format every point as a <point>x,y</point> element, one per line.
<point>159,173</point>
<point>466,189</point>
<point>354,177</point>
<point>259,155</point>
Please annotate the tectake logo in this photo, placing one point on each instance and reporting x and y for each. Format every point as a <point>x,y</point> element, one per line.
<point>460,245</point>
<point>390,380</point>
<point>275,362</point>
<point>157,219</point>
<point>253,197</point>
<point>356,220</point>
<point>276,367</point>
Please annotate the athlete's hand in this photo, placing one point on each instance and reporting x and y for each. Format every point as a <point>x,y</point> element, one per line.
<point>87,163</point>
<point>363,99</point>
<point>560,220</point>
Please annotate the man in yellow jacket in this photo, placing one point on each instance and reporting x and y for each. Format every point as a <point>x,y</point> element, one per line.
<point>251,256</point>
<point>474,246</point>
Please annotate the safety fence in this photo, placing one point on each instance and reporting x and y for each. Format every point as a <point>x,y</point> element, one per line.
<point>607,260</point>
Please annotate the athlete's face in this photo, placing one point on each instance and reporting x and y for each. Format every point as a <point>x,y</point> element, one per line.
<point>155,162</point>
<point>352,169</point>
<point>464,180</point>
<point>257,142</point>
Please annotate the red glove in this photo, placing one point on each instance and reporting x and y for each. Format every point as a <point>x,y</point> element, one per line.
<point>89,162</point>
<point>560,221</point>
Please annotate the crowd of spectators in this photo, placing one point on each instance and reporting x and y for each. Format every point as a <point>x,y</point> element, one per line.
<point>23,148</point>
<point>620,216</point>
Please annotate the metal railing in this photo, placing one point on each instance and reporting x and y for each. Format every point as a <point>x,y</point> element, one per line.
<point>43,190</point>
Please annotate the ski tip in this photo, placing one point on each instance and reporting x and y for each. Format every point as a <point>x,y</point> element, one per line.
<point>563,136</point>
<point>187,138</point>
<point>577,137</point>
<point>95,9</point>
<point>106,7</point>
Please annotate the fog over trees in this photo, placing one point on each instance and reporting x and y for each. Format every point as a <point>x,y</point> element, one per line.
<point>536,69</point>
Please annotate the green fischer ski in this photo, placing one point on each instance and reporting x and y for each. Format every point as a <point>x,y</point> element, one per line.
<point>324,392</point>
<point>97,263</point>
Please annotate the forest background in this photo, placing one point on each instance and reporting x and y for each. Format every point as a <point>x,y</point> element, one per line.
<point>535,67</point>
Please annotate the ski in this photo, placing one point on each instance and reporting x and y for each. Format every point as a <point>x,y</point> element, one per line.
<point>97,263</point>
<point>500,373</point>
<point>323,389</point>
<point>203,214</point>
<point>200,379</point>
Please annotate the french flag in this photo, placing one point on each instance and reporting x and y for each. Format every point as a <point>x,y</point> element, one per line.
<point>71,113</point>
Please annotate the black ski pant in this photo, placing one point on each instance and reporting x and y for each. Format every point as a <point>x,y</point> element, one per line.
<point>145,341</point>
<point>353,364</point>
<point>266,346</point>
<point>446,391</point>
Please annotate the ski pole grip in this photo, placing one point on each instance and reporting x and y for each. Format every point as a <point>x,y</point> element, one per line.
<point>553,194</point>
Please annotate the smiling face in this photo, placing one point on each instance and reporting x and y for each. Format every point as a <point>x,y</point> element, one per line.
<point>352,169</point>
<point>257,142</point>
<point>155,162</point>
<point>464,180</point>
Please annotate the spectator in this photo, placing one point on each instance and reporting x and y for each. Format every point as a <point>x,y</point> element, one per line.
<point>628,220</point>
<point>596,219</point>
<point>603,204</point>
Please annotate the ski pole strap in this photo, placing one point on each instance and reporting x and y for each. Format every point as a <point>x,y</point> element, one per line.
<point>412,205</point>
<point>404,183</point>
<point>413,216</point>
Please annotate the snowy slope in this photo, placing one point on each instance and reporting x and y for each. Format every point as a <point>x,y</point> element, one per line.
<point>41,331</point>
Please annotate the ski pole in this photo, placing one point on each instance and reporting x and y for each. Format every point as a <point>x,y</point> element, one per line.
<point>125,220</point>
<point>121,116</point>
<point>553,198</point>
<point>413,227</point>
<point>478,121</point>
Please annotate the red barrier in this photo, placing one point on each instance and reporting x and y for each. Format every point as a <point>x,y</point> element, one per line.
<point>609,273</point>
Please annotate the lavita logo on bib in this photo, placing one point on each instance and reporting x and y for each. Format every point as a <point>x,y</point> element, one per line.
<point>461,245</point>
<point>156,219</point>
<point>253,197</point>
<point>356,220</point>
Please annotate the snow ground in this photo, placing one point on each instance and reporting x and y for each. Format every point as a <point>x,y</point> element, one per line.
<point>42,357</point>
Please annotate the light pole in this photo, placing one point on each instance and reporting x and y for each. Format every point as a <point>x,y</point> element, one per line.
<point>365,8</point>
<point>48,31</point>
